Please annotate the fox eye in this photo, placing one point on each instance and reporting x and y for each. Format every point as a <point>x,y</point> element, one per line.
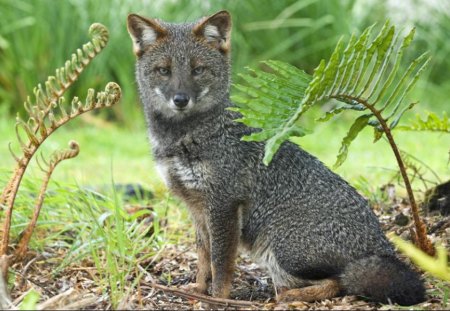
<point>198,70</point>
<point>163,71</point>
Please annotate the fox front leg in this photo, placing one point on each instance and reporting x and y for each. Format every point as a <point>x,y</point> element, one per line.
<point>203,278</point>
<point>224,233</point>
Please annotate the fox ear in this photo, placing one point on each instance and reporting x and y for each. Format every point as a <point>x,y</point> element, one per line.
<point>143,32</point>
<point>216,30</point>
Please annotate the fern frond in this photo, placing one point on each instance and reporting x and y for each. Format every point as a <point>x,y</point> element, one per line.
<point>55,86</point>
<point>277,93</point>
<point>45,115</point>
<point>54,120</point>
<point>432,123</point>
<point>354,130</point>
<point>40,110</point>
<point>360,74</point>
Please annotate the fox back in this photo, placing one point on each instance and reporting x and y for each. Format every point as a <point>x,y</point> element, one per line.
<point>315,234</point>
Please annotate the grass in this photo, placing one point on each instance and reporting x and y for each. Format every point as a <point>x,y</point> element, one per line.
<point>96,227</point>
<point>110,152</point>
<point>121,243</point>
<point>105,152</point>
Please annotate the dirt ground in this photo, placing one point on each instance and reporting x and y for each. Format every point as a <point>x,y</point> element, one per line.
<point>75,288</point>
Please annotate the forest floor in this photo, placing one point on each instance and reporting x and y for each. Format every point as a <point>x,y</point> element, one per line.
<point>75,287</point>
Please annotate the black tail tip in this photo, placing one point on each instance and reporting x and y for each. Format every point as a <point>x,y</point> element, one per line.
<point>384,280</point>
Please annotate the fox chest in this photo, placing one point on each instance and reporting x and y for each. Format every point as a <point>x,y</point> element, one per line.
<point>183,174</point>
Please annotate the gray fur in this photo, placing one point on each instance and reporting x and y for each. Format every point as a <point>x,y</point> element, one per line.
<point>296,216</point>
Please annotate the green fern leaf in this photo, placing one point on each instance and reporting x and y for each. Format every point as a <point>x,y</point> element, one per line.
<point>359,124</point>
<point>377,134</point>
<point>55,86</point>
<point>329,114</point>
<point>393,72</point>
<point>361,75</point>
<point>432,123</point>
<point>266,101</point>
<point>274,143</point>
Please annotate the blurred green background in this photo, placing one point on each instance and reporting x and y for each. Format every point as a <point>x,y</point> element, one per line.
<point>36,37</point>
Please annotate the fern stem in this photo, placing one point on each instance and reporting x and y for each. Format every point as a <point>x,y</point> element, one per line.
<point>421,238</point>
<point>8,198</point>
<point>57,158</point>
<point>421,235</point>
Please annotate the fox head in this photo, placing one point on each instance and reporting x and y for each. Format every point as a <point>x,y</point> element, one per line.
<point>182,69</point>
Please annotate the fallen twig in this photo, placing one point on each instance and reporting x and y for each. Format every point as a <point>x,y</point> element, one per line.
<point>25,269</point>
<point>207,299</point>
<point>55,301</point>
<point>197,296</point>
<point>82,303</point>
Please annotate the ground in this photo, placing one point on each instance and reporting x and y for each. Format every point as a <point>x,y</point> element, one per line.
<point>75,287</point>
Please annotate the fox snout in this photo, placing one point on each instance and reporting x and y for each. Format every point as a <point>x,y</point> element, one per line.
<point>176,102</point>
<point>181,100</point>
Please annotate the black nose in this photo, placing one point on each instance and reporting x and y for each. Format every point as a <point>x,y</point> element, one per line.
<point>181,100</point>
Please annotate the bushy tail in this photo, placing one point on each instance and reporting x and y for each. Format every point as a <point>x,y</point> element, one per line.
<point>383,279</point>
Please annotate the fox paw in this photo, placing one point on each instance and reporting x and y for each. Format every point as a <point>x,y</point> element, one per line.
<point>195,288</point>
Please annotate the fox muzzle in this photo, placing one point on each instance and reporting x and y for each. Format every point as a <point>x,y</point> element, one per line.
<point>181,100</point>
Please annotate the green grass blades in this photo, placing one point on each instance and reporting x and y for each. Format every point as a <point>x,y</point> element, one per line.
<point>94,227</point>
<point>117,242</point>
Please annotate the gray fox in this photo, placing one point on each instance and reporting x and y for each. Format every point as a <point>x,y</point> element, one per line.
<point>317,237</point>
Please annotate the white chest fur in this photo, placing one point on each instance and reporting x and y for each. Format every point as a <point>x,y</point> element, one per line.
<point>190,175</point>
<point>163,172</point>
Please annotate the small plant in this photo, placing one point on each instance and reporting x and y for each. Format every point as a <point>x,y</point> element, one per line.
<point>417,171</point>
<point>364,76</point>
<point>436,266</point>
<point>47,113</point>
<point>432,123</point>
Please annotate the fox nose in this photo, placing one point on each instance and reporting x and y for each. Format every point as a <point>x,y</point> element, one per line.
<point>181,100</point>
